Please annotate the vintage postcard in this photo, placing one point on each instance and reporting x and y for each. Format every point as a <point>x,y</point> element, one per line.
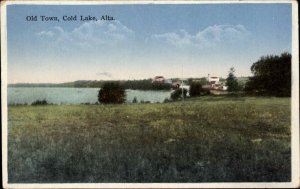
<point>150,94</point>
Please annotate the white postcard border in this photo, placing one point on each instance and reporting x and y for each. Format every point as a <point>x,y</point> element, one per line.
<point>295,182</point>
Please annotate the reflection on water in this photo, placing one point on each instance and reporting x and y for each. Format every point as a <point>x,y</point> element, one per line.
<point>27,95</point>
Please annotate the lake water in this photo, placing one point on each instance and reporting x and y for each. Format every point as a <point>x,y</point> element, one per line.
<point>22,95</point>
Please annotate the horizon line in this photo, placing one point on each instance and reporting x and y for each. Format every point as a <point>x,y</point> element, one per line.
<point>185,78</point>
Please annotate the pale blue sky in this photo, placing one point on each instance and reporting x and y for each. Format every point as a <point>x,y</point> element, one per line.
<point>143,41</point>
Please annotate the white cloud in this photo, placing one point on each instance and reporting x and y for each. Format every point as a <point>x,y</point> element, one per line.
<point>105,74</point>
<point>45,33</point>
<point>90,34</point>
<point>210,36</point>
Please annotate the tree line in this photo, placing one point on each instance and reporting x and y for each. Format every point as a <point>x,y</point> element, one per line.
<point>145,84</point>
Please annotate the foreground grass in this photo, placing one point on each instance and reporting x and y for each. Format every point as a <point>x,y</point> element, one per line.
<point>209,139</point>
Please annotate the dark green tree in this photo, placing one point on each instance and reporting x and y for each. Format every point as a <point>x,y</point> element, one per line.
<point>271,76</point>
<point>231,81</point>
<point>195,89</point>
<point>112,93</point>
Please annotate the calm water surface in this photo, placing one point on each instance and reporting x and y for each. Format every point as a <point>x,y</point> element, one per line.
<point>22,95</point>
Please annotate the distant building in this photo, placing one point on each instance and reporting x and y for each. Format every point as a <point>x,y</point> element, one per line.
<point>213,79</point>
<point>215,84</point>
<point>159,79</point>
<point>169,81</point>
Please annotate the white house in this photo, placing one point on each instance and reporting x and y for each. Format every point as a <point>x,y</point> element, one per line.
<point>214,80</point>
<point>215,83</point>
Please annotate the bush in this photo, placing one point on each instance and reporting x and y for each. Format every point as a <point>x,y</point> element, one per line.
<point>39,102</point>
<point>177,94</point>
<point>112,93</point>
<point>134,100</point>
<point>195,89</point>
<point>205,92</point>
<point>167,100</point>
<point>145,102</point>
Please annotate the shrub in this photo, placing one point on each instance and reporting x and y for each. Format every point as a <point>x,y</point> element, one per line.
<point>39,102</point>
<point>167,100</point>
<point>134,100</point>
<point>112,93</point>
<point>205,92</point>
<point>195,89</point>
<point>145,102</point>
<point>177,94</point>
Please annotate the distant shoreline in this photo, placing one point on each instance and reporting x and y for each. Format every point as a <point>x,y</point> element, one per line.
<point>143,84</point>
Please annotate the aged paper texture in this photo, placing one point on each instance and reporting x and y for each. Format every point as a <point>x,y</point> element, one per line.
<point>150,94</point>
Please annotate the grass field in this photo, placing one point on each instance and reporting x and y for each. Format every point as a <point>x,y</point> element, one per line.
<point>207,139</point>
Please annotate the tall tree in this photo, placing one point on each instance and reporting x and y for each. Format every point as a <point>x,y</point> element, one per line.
<point>271,75</point>
<point>231,81</point>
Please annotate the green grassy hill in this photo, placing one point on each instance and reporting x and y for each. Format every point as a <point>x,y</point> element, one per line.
<point>207,139</point>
